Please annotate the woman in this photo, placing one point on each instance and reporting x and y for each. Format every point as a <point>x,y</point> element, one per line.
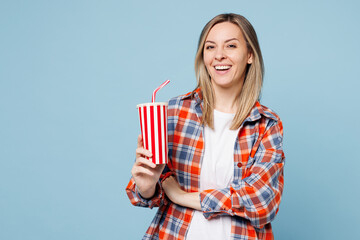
<point>224,179</point>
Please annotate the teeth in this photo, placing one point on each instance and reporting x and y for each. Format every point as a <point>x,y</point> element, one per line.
<point>222,67</point>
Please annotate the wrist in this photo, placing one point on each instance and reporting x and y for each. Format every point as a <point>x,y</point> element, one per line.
<point>148,193</point>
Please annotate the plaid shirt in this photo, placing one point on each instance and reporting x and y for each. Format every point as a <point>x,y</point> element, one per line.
<point>254,195</point>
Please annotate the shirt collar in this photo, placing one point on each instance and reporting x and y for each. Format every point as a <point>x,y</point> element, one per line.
<point>254,114</point>
<point>196,94</point>
<point>259,110</point>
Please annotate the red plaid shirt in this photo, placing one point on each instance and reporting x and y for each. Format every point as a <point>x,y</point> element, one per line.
<point>254,195</point>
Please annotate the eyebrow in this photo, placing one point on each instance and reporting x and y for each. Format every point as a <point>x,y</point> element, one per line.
<point>231,39</point>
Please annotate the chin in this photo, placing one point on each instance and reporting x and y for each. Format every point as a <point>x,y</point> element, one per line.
<point>223,82</point>
<point>224,85</point>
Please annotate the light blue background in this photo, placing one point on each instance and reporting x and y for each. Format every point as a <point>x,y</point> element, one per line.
<point>72,72</point>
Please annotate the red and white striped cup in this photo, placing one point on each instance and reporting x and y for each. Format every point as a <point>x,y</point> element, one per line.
<point>153,123</point>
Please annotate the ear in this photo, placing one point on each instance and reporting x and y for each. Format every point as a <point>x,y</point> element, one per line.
<point>250,58</point>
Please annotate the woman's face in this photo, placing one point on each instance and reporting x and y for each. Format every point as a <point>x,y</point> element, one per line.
<point>226,55</point>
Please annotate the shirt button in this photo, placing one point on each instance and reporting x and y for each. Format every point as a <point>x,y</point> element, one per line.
<point>239,165</point>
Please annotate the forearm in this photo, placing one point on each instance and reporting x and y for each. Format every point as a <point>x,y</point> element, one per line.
<point>190,200</point>
<point>179,196</point>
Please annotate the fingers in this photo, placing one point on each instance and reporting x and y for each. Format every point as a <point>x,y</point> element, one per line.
<point>139,141</point>
<point>142,152</point>
<point>145,162</point>
<point>143,167</point>
<point>136,171</point>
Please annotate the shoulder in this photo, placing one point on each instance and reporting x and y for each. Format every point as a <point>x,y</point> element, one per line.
<point>267,118</point>
<point>178,101</point>
<point>272,123</point>
<point>268,112</point>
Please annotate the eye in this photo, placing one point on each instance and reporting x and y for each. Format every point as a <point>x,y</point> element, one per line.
<point>209,47</point>
<point>232,46</point>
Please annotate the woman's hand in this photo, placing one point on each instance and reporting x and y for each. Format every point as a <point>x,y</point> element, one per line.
<point>177,195</point>
<point>145,173</point>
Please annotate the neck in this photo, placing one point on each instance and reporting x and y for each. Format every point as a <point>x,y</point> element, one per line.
<point>225,98</point>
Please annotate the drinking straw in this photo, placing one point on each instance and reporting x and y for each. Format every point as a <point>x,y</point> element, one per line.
<point>160,87</point>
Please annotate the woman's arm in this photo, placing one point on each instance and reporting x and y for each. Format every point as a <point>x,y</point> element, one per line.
<point>144,186</point>
<point>256,197</point>
<point>177,195</point>
<point>145,173</point>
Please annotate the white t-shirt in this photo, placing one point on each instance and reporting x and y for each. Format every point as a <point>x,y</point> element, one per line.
<point>217,172</point>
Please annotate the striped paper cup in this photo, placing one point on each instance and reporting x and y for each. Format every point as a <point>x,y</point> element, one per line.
<point>153,123</point>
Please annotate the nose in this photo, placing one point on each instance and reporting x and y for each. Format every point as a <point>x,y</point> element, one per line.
<point>220,54</point>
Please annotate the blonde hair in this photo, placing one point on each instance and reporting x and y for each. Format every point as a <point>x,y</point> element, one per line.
<point>251,89</point>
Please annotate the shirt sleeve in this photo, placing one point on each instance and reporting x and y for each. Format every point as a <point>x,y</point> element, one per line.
<point>257,196</point>
<point>157,200</point>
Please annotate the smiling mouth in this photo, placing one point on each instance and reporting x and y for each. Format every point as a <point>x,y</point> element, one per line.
<point>222,67</point>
